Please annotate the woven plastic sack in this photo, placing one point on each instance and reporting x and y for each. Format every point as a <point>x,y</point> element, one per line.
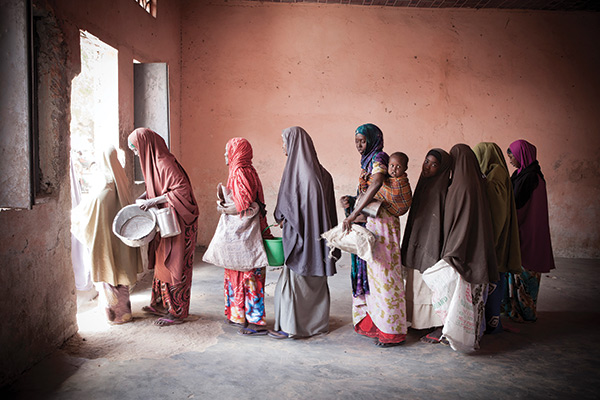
<point>452,300</point>
<point>359,240</point>
<point>237,243</point>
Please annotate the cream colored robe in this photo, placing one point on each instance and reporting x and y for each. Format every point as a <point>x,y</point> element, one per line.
<point>112,261</point>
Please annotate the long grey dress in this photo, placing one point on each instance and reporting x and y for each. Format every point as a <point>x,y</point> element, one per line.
<point>306,205</point>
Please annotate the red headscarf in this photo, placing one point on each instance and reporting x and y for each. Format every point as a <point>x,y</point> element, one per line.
<point>243,180</point>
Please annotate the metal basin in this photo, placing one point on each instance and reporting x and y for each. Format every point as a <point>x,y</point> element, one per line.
<point>134,226</point>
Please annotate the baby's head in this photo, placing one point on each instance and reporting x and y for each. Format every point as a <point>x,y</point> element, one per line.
<point>398,164</point>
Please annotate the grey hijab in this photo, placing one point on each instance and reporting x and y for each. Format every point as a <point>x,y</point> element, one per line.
<point>306,204</point>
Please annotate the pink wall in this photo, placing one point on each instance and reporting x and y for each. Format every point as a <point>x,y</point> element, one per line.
<point>428,78</point>
<point>136,35</point>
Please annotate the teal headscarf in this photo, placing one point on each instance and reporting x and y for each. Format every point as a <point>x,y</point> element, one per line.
<point>374,150</point>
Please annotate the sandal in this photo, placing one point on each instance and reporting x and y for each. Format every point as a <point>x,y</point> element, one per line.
<point>381,344</point>
<point>154,311</point>
<point>168,320</point>
<point>433,337</point>
<point>277,334</point>
<point>252,332</point>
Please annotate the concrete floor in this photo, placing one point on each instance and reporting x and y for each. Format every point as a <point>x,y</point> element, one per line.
<point>555,358</point>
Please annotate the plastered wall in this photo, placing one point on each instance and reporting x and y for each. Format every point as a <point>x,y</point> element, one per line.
<point>38,300</point>
<point>428,78</point>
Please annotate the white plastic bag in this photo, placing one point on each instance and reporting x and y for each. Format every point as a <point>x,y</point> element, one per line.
<point>452,300</point>
<point>237,243</point>
<point>359,241</point>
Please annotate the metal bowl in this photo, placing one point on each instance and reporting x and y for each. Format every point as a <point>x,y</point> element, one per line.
<point>134,226</point>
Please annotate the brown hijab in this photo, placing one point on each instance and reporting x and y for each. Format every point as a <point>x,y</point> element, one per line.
<point>469,244</point>
<point>164,175</point>
<point>424,232</point>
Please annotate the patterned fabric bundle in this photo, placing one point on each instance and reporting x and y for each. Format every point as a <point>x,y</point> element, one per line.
<point>395,195</point>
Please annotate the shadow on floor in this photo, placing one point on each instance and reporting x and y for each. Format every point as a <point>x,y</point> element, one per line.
<point>555,357</point>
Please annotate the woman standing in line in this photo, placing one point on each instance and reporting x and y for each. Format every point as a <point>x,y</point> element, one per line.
<point>423,240</point>
<point>305,209</point>
<point>531,201</point>
<point>244,291</point>
<point>504,223</point>
<point>168,185</point>
<point>459,281</point>
<point>114,264</point>
<point>379,313</point>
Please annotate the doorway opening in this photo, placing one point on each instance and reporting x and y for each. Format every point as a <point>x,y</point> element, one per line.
<point>94,126</point>
<point>94,106</point>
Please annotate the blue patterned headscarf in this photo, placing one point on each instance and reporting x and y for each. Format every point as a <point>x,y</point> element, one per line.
<point>374,150</point>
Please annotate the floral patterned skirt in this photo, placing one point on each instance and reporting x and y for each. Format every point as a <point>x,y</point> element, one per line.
<point>245,296</point>
<point>175,298</point>
<point>382,312</point>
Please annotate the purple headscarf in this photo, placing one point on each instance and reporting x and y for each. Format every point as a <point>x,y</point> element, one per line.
<point>524,152</point>
<point>531,200</point>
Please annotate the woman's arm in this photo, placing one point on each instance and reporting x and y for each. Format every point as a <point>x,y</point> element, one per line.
<point>153,202</point>
<point>374,186</point>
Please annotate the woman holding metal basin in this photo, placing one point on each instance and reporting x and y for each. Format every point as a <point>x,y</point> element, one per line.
<point>167,185</point>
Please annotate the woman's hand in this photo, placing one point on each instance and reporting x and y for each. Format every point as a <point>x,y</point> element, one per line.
<point>347,223</point>
<point>146,204</point>
<point>226,209</point>
<point>344,202</point>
